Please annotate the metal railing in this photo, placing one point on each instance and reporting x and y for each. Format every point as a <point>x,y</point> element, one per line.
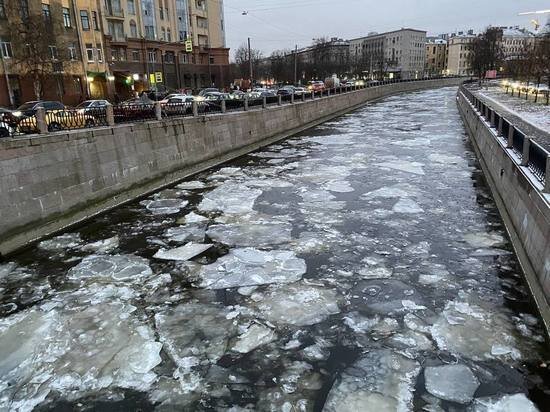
<point>530,154</point>
<point>44,122</point>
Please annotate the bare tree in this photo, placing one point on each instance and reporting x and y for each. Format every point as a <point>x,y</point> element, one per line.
<point>242,60</point>
<point>36,36</point>
<point>487,51</point>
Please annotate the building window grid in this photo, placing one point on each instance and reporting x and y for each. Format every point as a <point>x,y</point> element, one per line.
<point>46,12</point>
<point>89,53</point>
<point>95,21</point>
<point>2,9</point>
<point>66,17</point>
<point>72,51</point>
<point>6,50</point>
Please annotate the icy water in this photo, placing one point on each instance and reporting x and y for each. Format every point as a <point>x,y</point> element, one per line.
<point>359,266</point>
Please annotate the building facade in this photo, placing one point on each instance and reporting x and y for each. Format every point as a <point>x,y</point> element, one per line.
<point>459,50</point>
<point>111,48</point>
<point>395,54</point>
<point>515,42</point>
<point>40,52</point>
<point>436,56</point>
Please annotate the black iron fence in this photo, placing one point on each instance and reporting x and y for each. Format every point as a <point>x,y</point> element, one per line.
<point>530,153</point>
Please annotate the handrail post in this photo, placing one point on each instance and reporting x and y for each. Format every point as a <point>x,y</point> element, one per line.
<point>110,115</point>
<point>303,96</point>
<point>246,103</point>
<point>41,120</point>
<point>195,107</point>
<point>158,111</point>
<point>292,98</point>
<point>223,106</point>
<point>526,146</point>
<point>547,175</point>
<point>264,102</point>
<point>499,128</point>
<point>328,92</point>
<point>279,100</point>
<point>510,141</point>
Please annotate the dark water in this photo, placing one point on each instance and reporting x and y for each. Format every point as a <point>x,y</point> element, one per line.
<point>368,248</point>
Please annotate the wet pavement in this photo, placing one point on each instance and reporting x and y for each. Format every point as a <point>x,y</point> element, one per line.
<point>359,266</point>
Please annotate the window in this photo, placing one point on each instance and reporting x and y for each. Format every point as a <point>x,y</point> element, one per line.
<point>53,52</point>
<point>2,9</point>
<point>72,51</point>
<point>114,54</point>
<point>183,58</point>
<point>5,49</point>
<point>169,58</point>
<point>94,20</point>
<point>161,13</point>
<point>149,32</point>
<point>211,60</point>
<point>163,31</point>
<point>90,52</point>
<point>131,7</point>
<point>99,52</point>
<point>85,20</point>
<point>133,29</point>
<point>202,23</point>
<point>135,55</point>
<point>152,56</point>
<point>46,11</point>
<point>168,35</point>
<point>66,17</point>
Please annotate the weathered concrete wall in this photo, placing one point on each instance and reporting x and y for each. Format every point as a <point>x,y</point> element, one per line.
<point>522,204</point>
<point>52,181</point>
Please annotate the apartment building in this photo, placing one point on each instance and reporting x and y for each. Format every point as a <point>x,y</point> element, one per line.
<point>459,49</point>
<point>43,60</point>
<point>111,48</point>
<point>436,56</point>
<point>515,41</point>
<point>146,44</point>
<point>396,54</point>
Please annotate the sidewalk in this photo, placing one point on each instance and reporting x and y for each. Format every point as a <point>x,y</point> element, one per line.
<point>531,118</point>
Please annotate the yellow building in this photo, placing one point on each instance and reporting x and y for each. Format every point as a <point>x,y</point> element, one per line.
<point>436,54</point>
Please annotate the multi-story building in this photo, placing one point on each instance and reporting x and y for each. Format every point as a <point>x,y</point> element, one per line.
<point>396,54</point>
<point>113,48</point>
<point>459,50</point>
<point>324,58</point>
<point>44,59</point>
<point>146,44</point>
<point>515,42</point>
<point>436,56</point>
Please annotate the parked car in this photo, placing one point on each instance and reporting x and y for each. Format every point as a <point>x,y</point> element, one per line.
<point>96,108</point>
<point>139,108</point>
<point>300,90</point>
<point>236,94</point>
<point>7,122</point>
<point>178,105</point>
<point>29,108</point>
<point>316,86</point>
<point>57,120</point>
<point>208,90</point>
<point>268,93</point>
<point>171,96</point>
<point>285,90</point>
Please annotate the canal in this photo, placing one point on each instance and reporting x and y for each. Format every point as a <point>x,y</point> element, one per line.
<point>361,265</point>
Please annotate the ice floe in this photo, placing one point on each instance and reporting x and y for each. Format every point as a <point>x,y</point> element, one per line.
<point>116,268</point>
<point>255,336</point>
<point>380,381</point>
<point>249,267</point>
<point>164,206</point>
<point>506,403</point>
<point>254,234</point>
<point>230,198</point>
<point>455,383</point>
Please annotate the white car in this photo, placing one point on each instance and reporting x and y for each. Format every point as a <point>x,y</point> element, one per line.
<point>5,129</point>
<point>174,96</point>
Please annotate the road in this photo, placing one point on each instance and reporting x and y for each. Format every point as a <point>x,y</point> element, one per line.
<point>360,265</point>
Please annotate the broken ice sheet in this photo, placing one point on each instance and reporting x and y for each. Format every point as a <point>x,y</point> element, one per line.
<point>403,166</point>
<point>251,233</point>
<point>111,268</point>
<point>483,240</point>
<point>255,336</point>
<point>102,246</point>
<point>230,198</point>
<point>187,252</point>
<point>298,304</point>
<point>407,206</point>
<point>472,331</point>
<point>190,232</point>
<point>385,296</point>
<point>455,383</point>
<point>505,403</point>
<point>61,242</point>
<point>380,381</point>
<point>249,267</point>
<point>73,352</point>
<point>164,206</point>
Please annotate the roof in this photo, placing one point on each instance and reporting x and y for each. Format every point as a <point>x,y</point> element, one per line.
<point>389,32</point>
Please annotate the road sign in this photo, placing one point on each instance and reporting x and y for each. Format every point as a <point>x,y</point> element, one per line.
<point>189,46</point>
<point>152,78</point>
<point>158,77</point>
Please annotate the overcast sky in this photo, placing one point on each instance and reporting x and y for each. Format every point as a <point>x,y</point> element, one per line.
<point>280,24</point>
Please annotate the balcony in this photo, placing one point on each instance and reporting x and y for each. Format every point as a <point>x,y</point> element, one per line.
<point>118,38</point>
<point>114,14</point>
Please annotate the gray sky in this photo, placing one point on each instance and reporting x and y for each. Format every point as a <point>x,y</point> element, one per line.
<point>280,24</point>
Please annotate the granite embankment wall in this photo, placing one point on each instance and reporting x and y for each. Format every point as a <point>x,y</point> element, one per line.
<point>521,200</point>
<point>49,182</point>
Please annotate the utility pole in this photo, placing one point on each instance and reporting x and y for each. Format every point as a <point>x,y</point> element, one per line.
<point>250,63</point>
<point>296,65</point>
